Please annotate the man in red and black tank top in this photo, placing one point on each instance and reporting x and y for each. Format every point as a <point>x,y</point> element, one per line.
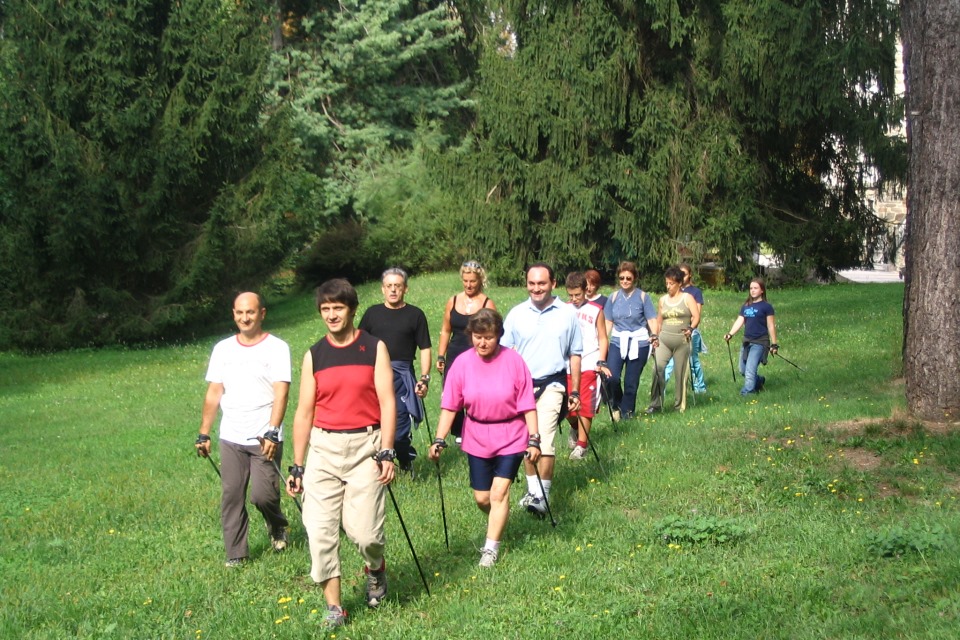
<point>346,419</point>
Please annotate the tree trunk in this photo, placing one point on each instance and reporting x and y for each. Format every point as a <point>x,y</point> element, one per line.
<point>931,345</point>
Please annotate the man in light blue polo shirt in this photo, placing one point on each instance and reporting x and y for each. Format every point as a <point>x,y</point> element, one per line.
<point>546,334</point>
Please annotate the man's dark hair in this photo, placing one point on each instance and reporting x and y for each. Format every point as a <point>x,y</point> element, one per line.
<point>542,265</point>
<point>576,280</point>
<point>338,290</point>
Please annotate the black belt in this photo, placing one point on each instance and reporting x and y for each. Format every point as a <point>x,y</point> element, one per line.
<point>371,429</point>
<point>504,421</point>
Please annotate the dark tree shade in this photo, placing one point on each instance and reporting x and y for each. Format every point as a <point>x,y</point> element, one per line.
<point>655,130</point>
<point>142,179</point>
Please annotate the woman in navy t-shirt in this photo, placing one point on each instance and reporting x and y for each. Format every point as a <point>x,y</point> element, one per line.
<point>759,335</point>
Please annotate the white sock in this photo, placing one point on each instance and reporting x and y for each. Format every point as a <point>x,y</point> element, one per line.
<point>533,486</point>
<point>546,487</point>
<point>493,545</point>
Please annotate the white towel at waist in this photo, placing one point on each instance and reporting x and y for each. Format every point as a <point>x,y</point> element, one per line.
<point>630,342</point>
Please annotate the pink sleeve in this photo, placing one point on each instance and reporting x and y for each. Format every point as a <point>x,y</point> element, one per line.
<point>452,397</point>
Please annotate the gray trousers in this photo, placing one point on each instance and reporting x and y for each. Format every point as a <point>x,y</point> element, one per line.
<point>242,466</point>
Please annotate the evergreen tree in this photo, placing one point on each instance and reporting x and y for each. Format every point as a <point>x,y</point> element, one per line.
<point>142,177</point>
<point>655,130</point>
<point>359,75</point>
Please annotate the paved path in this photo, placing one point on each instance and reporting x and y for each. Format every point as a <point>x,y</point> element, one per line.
<point>865,275</point>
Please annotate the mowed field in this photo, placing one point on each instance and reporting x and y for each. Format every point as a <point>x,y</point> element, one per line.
<point>814,510</point>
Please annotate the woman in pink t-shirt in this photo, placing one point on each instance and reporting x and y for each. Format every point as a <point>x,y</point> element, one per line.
<point>495,388</point>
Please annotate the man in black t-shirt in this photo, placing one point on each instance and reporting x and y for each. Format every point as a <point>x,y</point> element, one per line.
<point>403,328</point>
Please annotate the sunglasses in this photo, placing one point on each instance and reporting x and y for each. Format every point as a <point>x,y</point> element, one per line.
<point>471,264</point>
<point>625,278</point>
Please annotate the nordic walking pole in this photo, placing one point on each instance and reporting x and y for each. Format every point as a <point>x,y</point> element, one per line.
<point>693,389</point>
<point>605,397</point>
<point>595,454</point>
<point>732,369</point>
<point>214,465</point>
<point>296,500</point>
<point>545,501</point>
<point>201,439</point>
<point>777,353</point>
<point>403,526</point>
<point>443,506</point>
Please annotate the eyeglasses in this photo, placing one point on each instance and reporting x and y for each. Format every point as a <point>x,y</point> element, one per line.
<point>625,278</point>
<point>471,264</point>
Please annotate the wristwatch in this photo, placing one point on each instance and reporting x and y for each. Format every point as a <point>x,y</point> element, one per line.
<point>386,455</point>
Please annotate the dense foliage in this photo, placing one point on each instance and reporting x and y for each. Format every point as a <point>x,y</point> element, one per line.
<point>370,83</point>
<point>143,179</point>
<point>155,156</point>
<point>664,129</point>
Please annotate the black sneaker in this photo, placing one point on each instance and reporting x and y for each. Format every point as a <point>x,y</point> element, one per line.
<point>278,539</point>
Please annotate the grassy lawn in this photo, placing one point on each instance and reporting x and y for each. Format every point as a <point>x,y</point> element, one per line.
<point>812,511</point>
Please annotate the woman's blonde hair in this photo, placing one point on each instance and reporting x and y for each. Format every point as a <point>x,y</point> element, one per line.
<point>472,266</point>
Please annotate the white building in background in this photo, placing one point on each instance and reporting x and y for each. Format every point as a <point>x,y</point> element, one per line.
<point>891,205</point>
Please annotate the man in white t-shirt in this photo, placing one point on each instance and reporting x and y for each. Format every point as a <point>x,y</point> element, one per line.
<point>249,381</point>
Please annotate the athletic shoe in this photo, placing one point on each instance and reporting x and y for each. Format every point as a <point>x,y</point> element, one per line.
<point>537,507</point>
<point>278,539</point>
<point>376,585</point>
<point>652,410</point>
<point>336,617</point>
<point>234,562</point>
<point>578,453</point>
<point>572,438</point>
<point>488,557</point>
<point>527,499</point>
<point>616,415</point>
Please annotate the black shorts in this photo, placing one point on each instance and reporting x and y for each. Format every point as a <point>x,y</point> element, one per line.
<point>484,470</point>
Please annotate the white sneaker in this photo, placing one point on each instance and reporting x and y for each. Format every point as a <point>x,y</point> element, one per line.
<point>488,557</point>
<point>578,453</point>
<point>538,507</point>
<point>527,499</point>
<point>616,415</point>
<point>572,438</point>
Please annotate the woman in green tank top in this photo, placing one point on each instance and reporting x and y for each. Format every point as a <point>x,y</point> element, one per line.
<point>678,314</point>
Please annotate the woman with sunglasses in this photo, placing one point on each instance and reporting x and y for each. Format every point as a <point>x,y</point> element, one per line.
<point>454,339</point>
<point>632,328</point>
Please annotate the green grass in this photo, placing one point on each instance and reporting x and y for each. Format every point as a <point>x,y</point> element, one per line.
<point>813,511</point>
